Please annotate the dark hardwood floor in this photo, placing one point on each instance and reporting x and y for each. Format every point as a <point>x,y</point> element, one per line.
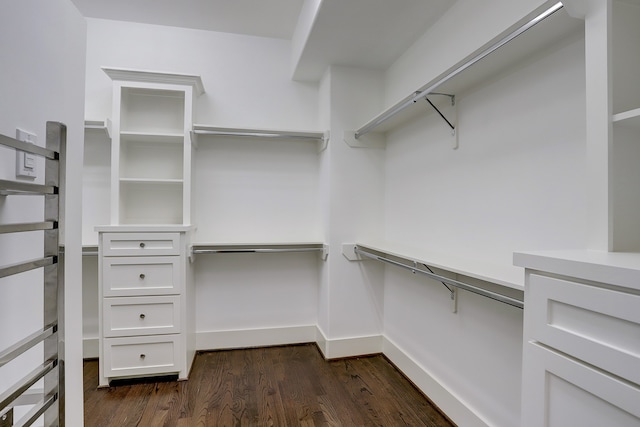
<point>273,386</point>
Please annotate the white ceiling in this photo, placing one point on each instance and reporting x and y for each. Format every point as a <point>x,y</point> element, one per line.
<point>365,33</point>
<point>360,33</point>
<point>265,18</point>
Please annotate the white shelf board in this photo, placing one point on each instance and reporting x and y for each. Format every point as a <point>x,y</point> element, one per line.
<point>99,125</point>
<point>152,181</point>
<point>131,75</point>
<point>542,36</point>
<point>616,268</point>
<point>201,129</point>
<point>259,247</point>
<point>160,137</point>
<point>629,119</point>
<point>142,228</point>
<point>504,275</point>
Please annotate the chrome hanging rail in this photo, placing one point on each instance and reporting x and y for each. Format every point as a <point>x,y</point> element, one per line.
<point>423,93</point>
<point>257,133</point>
<point>197,251</point>
<point>455,283</point>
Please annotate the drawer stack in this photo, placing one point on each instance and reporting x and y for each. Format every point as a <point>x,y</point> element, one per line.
<point>143,302</point>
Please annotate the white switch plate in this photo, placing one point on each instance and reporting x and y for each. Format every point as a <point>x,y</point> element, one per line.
<point>26,164</point>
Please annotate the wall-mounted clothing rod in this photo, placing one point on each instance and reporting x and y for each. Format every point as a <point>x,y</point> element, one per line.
<point>460,68</point>
<point>258,135</point>
<point>197,251</point>
<point>455,283</point>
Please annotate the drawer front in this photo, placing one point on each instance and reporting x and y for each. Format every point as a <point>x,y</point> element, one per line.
<point>137,356</point>
<point>597,325</point>
<point>140,244</point>
<point>129,316</point>
<point>133,276</point>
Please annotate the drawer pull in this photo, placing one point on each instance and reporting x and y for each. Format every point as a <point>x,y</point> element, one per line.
<point>142,316</point>
<point>142,245</point>
<point>142,276</point>
<point>142,356</point>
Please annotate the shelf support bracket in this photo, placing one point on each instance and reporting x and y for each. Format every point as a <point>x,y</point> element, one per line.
<point>454,133</point>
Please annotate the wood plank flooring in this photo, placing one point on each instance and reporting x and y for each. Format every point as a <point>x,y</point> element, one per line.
<point>273,386</point>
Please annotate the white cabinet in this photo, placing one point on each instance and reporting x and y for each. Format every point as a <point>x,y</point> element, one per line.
<point>146,320</point>
<point>581,355</point>
<point>147,302</point>
<point>151,150</point>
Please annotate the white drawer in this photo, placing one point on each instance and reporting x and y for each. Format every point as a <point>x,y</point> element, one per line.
<point>139,356</point>
<point>129,316</point>
<point>133,276</point>
<point>597,325</point>
<point>140,244</point>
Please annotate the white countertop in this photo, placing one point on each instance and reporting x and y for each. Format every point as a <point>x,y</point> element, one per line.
<point>616,268</point>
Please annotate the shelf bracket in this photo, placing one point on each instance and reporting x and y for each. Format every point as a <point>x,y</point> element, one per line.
<point>454,133</point>
<point>324,142</point>
<point>371,140</point>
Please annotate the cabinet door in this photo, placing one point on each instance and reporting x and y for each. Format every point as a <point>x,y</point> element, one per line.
<point>138,276</point>
<point>129,316</point>
<point>597,325</point>
<point>559,391</point>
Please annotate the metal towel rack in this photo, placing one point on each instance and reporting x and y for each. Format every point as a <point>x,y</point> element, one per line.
<point>48,401</point>
<point>445,280</point>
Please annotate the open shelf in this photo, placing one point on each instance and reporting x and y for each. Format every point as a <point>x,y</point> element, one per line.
<point>160,138</point>
<point>630,119</point>
<point>503,275</point>
<point>258,247</point>
<point>295,135</point>
<point>471,72</point>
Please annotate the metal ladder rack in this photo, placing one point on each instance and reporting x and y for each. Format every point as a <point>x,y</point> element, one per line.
<point>48,402</point>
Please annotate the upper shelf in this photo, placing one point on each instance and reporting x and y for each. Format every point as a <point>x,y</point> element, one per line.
<point>629,119</point>
<point>503,275</point>
<point>519,43</point>
<point>321,137</point>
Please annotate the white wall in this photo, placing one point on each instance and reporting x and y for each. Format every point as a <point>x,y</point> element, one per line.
<point>351,303</point>
<point>517,182</point>
<point>467,26</point>
<point>246,78</point>
<point>42,80</point>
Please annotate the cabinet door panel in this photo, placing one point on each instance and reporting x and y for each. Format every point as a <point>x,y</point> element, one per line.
<point>559,391</point>
<point>598,325</point>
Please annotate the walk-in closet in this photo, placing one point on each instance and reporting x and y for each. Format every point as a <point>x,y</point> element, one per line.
<point>444,193</point>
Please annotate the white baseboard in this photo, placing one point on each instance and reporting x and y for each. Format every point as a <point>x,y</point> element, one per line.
<point>348,347</point>
<point>217,340</point>
<point>90,348</point>
<point>448,402</point>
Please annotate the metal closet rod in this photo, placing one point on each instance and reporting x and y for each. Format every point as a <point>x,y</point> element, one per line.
<point>423,93</point>
<point>257,134</point>
<point>253,250</point>
<point>455,283</point>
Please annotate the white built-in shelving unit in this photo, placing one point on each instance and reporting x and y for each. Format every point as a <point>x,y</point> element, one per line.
<point>151,154</point>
